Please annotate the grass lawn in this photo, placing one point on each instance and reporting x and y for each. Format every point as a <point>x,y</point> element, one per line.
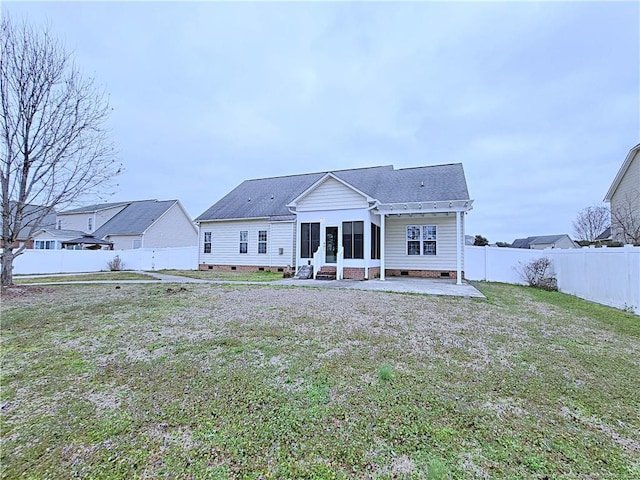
<point>248,382</point>
<point>86,277</point>
<point>226,276</point>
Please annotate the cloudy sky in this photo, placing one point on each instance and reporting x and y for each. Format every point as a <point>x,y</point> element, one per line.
<point>539,100</point>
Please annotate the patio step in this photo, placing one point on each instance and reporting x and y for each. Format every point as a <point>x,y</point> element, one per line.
<point>326,273</point>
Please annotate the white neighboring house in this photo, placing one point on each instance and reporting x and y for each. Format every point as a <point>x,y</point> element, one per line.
<point>360,223</point>
<point>542,242</point>
<point>624,199</point>
<point>123,225</point>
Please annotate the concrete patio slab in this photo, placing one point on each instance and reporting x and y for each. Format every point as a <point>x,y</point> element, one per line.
<point>427,286</point>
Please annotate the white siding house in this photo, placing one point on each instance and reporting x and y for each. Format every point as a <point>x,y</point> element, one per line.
<point>346,224</point>
<point>123,226</point>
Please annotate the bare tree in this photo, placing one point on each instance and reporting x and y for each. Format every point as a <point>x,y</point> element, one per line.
<point>625,218</point>
<point>591,222</point>
<point>54,146</point>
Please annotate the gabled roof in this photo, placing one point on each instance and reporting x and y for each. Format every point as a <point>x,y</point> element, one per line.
<point>269,197</point>
<point>537,240</point>
<point>623,169</point>
<point>135,218</point>
<point>54,232</point>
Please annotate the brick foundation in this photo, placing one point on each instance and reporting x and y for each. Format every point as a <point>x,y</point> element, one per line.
<point>422,273</point>
<point>240,268</point>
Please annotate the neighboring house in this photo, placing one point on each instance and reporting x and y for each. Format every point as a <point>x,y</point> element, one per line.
<point>30,226</point>
<point>122,226</point>
<point>624,200</point>
<point>545,241</point>
<point>360,223</point>
<point>605,235</point>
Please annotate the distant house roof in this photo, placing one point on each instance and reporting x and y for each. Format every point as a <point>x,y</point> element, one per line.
<point>605,235</point>
<point>31,213</point>
<point>135,218</point>
<point>538,240</point>
<point>59,233</point>
<point>95,208</point>
<point>270,197</point>
<point>623,169</point>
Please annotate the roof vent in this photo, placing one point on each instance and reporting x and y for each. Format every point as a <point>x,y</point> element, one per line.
<point>249,200</point>
<point>272,197</point>
<point>422,184</point>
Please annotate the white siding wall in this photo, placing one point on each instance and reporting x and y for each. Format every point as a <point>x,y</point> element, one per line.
<point>123,242</point>
<point>396,243</point>
<point>226,243</point>
<point>331,195</point>
<point>173,229</point>
<point>628,190</point>
<point>78,221</point>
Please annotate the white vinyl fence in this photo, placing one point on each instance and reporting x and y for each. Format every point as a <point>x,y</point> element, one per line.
<point>610,276</point>
<point>70,261</point>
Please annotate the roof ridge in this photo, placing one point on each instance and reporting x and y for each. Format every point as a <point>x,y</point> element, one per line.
<point>323,172</point>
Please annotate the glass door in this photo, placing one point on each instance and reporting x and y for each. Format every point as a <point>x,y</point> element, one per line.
<point>331,245</point>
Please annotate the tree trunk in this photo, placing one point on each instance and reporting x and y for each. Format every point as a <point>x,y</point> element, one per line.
<point>6,277</point>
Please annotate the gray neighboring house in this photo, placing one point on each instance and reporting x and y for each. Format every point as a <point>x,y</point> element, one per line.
<point>545,241</point>
<point>359,223</point>
<point>124,225</point>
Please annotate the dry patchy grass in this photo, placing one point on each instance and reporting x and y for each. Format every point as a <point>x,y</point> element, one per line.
<point>211,381</point>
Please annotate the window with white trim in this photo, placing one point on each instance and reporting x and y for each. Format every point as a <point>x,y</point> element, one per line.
<point>244,241</point>
<point>207,242</point>
<point>45,245</point>
<point>421,240</point>
<point>262,241</point>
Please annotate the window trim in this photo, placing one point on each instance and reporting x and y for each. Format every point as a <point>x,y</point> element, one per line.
<point>207,242</point>
<point>244,242</point>
<point>422,240</point>
<point>262,244</point>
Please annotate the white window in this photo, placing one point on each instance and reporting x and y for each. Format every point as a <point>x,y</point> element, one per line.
<point>413,240</point>
<point>428,239</point>
<point>421,239</point>
<point>244,241</point>
<point>137,243</point>
<point>45,244</point>
<point>207,242</point>
<point>59,225</point>
<point>89,224</point>
<point>262,241</point>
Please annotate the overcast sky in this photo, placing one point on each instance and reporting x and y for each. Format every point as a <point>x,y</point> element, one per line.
<point>539,101</point>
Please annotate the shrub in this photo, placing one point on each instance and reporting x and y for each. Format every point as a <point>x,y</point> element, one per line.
<point>116,264</point>
<point>538,273</point>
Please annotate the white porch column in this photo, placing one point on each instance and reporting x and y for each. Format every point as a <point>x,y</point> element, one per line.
<point>382,244</point>
<point>458,248</point>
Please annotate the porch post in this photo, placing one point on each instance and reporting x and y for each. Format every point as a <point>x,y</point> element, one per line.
<point>382,244</point>
<point>458,248</point>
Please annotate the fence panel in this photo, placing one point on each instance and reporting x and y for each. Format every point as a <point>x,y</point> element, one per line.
<point>610,276</point>
<point>74,261</point>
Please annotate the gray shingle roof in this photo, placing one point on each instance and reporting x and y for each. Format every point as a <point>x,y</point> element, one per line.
<point>537,240</point>
<point>94,208</point>
<point>269,197</point>
<point>135,218</point>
